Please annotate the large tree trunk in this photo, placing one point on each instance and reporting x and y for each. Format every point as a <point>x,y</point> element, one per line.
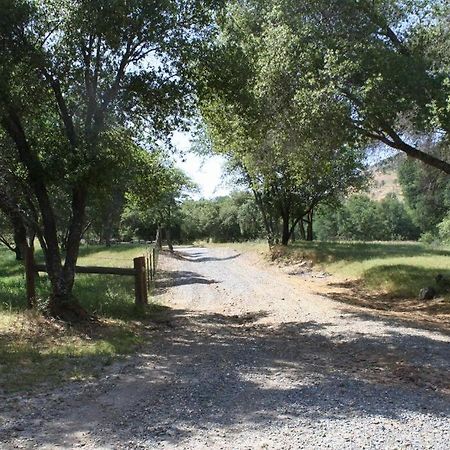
<point>292,229</point>
<point>62,304</point>
<point>79,199</point>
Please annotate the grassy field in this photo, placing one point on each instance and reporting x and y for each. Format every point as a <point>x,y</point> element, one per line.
<point>399,269</point>
<point>43,350</point>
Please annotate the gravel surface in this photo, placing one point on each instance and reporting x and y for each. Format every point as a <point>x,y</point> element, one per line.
<point>248,358</point>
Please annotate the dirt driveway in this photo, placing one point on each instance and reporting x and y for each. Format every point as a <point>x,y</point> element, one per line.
<point>245,358</point>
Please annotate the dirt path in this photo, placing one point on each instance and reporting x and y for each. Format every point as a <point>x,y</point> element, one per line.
<point>247,359</point>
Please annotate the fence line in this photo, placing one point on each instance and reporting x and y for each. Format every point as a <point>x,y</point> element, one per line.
<point>143,271</point>
<point>152,256</point>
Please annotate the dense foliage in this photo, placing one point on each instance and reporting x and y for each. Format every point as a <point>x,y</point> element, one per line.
<point>362,219</point>
<point>225,219</point>
<point>427,195</point>
<point>249,105</point>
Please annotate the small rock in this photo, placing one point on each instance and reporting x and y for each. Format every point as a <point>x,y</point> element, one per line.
<point>427,293</point>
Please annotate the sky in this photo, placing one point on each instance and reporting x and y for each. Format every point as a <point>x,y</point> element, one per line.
<point>207,172</point>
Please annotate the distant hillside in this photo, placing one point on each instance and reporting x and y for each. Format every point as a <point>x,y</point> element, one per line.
<point>385,179</point>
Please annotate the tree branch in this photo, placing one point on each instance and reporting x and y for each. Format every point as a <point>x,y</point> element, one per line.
<point>62,106</point>
<point>5,242</point>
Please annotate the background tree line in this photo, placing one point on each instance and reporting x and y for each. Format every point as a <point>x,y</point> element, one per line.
<point>420,211</point>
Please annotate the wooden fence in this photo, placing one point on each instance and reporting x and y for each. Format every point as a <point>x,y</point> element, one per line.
<point>143,271</point>
<point>151,257</point>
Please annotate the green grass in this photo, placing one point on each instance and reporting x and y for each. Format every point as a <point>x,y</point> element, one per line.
<point>399,269</point>
<point>109,296</point>
<point>35,350</point>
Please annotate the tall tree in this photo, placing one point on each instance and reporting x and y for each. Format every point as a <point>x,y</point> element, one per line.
<point>156,193</point>
<point>248,101</point>
<point>70,71</point>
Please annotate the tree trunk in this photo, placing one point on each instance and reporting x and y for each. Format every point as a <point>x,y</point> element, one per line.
<point>20,237</point>
<point>62,303</point>
<point>62,277</point>
<point>112,216</point>
<point>309,231</point>
<point>158,239</point>
<point>9,207</point>
<point>285,233</point>
<point>29,158</point>
<point>76,228</point>
<point>267,223</point>
<point>107,232</point>
<point>169,239</point>
<point>292,229</point>
<point>301,228</point>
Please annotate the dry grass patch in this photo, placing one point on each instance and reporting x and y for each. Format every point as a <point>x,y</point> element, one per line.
<point>36,350</point>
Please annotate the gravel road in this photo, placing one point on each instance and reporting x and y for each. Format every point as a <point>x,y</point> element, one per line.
<point>248,358</point>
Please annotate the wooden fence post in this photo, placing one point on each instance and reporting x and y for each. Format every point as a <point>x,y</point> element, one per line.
<point>150,265</point>
<point>154,260</point>
<point>140,282</point>
<point>30,277</point>
<point>148,269</point>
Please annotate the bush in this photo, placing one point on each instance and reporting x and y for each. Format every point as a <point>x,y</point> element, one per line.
<point>444,229</point>
<point>428,238</point>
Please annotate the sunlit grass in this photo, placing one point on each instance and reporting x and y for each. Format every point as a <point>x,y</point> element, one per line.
<point>120,255</point>
<point>400,269</point>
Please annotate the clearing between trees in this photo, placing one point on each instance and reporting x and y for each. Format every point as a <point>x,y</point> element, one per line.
<point>243,355</point>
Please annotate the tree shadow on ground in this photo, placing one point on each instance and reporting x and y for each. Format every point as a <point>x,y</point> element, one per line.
<point>36,350</point>
<point>396,288</point>
<point>209,371</point>
<point>400,321</point>
<point>168,279</point>
<point>199,256</point>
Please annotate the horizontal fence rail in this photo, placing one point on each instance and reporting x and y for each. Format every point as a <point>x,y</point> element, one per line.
<point>96,270</point>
